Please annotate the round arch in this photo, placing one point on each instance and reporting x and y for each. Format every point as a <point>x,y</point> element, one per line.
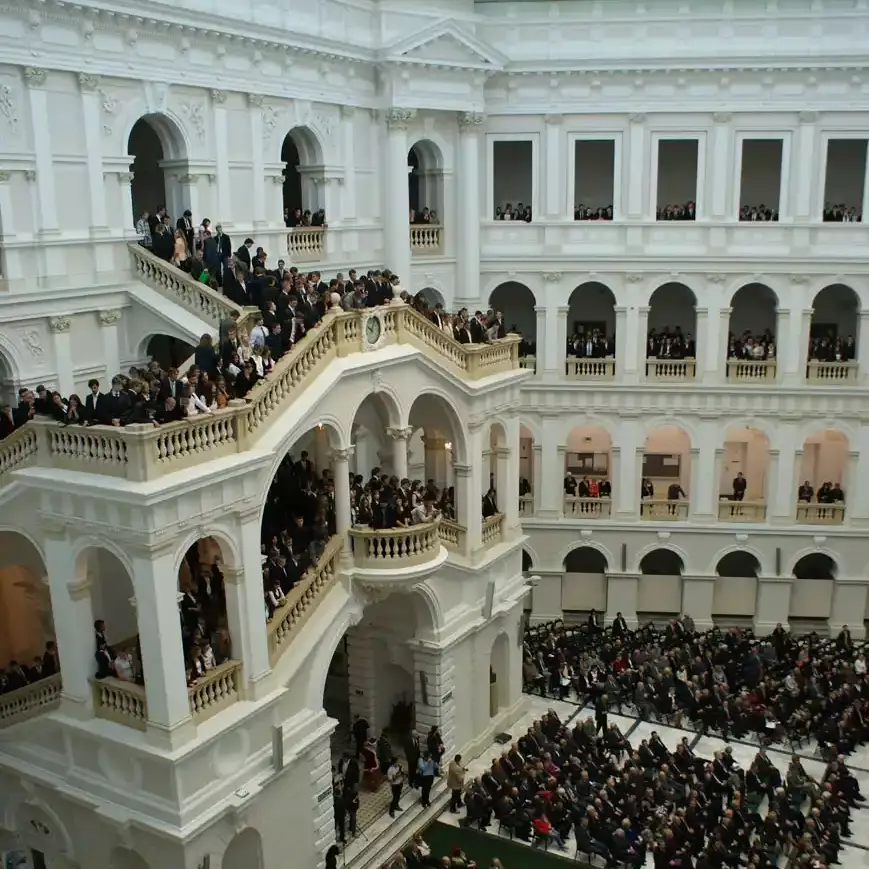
<point>529,559</point>
<point>40,829</point>
<point>585,558</point>
<point>753,315</point>
<point>431,296</point>
<point>835,324</point>
<point>672,310</point>
<point>245,851</point>
<point>660,444</point>
<point>516,302</point>
<point>382,406</point>
<point>434,409</point>
<point>9,373</point>
<point>125,858</point>
<point>425,161</point>
<point>728,551</point>
<point>302,156</point>
<point>229,552</point>
<point>661,546</point>
<point>499,673</point>
<point>168,350</point>
<point>739,563</point>
<point>591,320</point>
<point>586,544</point>
<point>814,564</point>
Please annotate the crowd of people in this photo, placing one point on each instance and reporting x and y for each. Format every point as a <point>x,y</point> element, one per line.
<point>685,211</point>
<point>508,212</point>
<point>841,213</point>
<point>829,348</point>
<point>587,487</point>
<point>668,343</point>
<point>17,675</point>
<point>297,217</point>
<point>582,212</point>
<point>752,213</point>
<point>751,347</point>
<point>623,801</point>
<point>827,493</point>
<point>589,342</point>
<point>425,215</point>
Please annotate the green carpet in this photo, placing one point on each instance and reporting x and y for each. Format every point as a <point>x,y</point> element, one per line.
<point>483,847</point>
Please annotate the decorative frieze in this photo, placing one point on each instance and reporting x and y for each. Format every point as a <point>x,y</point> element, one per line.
<point>110,318</point>
<point>88,83</point>
<point>59,324</point>
<point>471,120</point>
<point>35,76</point>
<point>398,119</point>
<point>218,97</point>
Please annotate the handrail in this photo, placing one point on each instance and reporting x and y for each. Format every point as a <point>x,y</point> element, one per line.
<point>664,508</point>
<point>814,513</point>
<point>741,511</point>
<point>391,548</point>
<point>586,508</point>
<point>24,703</point>
<point>303,598</point>
<point>831,372</point>
<point>452,535</point>
<point>214,691</point>
<point>493,529</point>
<point>144,452</point>
<point>16,451</point>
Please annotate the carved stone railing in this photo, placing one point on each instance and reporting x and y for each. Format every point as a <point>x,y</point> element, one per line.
<point>662,509</point>
<point>587,508</point>
<point>426,239</point>
<point>751,370</point>
<point>216,690</point>
<point>832,372</point>
<point>668,370</point>
<point>820,514</point>
<point>528,362</point>
<point>303,599</point>
<point>741,511</point>
<point>589,369</point>
<point>526,505</point>
<point>306,244</point>
<point>493,529</point>
<point>146,452</point>
<point>121,702</point>
<point>452,535</point>
<point>177,285</point>
<point>17,451</point>
<point>394,548</point>
<point>17,706</point>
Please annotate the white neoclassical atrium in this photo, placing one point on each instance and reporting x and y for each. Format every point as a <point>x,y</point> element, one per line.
<point>652,212</point>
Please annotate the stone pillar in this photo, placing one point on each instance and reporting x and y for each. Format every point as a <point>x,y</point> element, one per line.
<point>698,594</point>
<point>396,213</point>
<point>257,188</point>
<point>434,686</point>
<point>555,171</point>
<point>715,351</point>
<point>341,472</point>
<point>348,148</point>
<point>849,605</point>
<point>46,217</point>
<point>806,207</point>
<point>537,475</point>
<point>720,169</point>
<point>858,496</point>
<point>638,176</point>
<point>91,111</point>
<point>626,486</point>
<point>561,338</point>
<point>706,329</point>
<point>784,341</point>
<point>221,155</point>
<point>641,337</point>
<point>622,594</point>
<point>399,437</point>
<point>125,184</point>
<point>801,354</point>
<point>318,757</point>
<point>540,339</point>
<point>615,473</point>
<point>551,503</point>
<point>362,677</point>
<point>469,182</point>
<point>546,595</point>
<point>156,591</point>
<point>110,324</point>
<point>773,603</point>
<point>790,459</point>
<point>62,345</point>
<point>704,484</point>
<point>622,340</point>
<point>468,488</point>
<point>72,610</point>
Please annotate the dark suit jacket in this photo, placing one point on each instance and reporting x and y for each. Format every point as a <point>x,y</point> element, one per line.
<point>243,255</point>
<point>114,407</point>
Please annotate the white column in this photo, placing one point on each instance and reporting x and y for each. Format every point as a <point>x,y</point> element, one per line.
<point>508,475</point>
<point>615,473</point>
<point>785,209</point>
<point>73,622</point>
<point>396,214</point>
<point>638,177</point>
<point>12,268</point>
<point>258,183</point>
<point>561,337</point>
<point>341,472</point>
<point>622,593</point>
<point>537,475</point>
<point>125,182</point>
<point>348,193</point>
<point>469,508</point>
<point>698,594</point>
<point>806,207</point>
<point>640,340</point>
<point>91,108</point>
<point>399,438</point>
<point>858,495</point>
<point>555,172</point>
<point>783,499</point>
<point>773,604</point>
<point>706,328</point>
<point>546,595</point>
<point>627,484</point>
<point>541,342</point>
<point>45,192</point>
<point>552,352</point>
<point>704,484</point>
<point>434,703</point>
<point>802,349</point>
<point>551,502</point>
<point>62,345</point>
<point>156,591</point>
<point>109,323</point>
<point>622,340</point>
<point>849,604</point>
<point>469,183</point>
<point>720,167</point>
<point>221,155</point>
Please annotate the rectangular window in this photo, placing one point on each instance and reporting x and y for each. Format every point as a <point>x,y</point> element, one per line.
<point>513,178</point>
<point>678,161</point>
<point>845,180</point>
<point>594,179</point>
<point>760,179</point>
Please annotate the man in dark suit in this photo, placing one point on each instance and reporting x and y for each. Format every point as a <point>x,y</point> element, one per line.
<point>25,410</point>
<point>243,253</point>
<point>739,486</point>
<point>185,224</point>
<point>93,402</point>
<point>115,407</point>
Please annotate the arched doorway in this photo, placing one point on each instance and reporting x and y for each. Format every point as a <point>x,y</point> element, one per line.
<point>659,597</point>
<point>169,351</point>
<point>425,182</point>
<point>587,483</point>
<point>159,154</point>
<point>584,586</point>
<point>8,383</point>
<point>666,475</point>
<point>591,332</point>
<point>735,594</point>
<point>670,344</point>
<point>744,480</point>
<point>751,342</point>
<point>516,302</point>
<point>833,336</point>
<point>302,157</point>
<point>812,593</point>
<point>431,297</point>
<point>27,639</point>
<point>821,496</point>
<point>499,675</point>
<point>245,851</point>
<point>378,442</point>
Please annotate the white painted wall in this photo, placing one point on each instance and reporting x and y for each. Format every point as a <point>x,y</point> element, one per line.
<point>677,171</point>
<point>761,172</point>
<point>825,457</point>
<point>734,596</point>
<point>745,450</point>
<point>594,180</point>
<point>846,172</point>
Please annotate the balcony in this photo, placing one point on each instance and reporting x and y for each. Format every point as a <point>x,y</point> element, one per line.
<point>590,369</point>
<point>125,702</point>
<point>453,536</point>
<point>830,373</point>
<point>663,510</point>
<point>17,451</point>
<point>395,548</point>
<point>820,514</point>
<point>741,511</point>
<point>27,702</point>
<point>529,363</point>
<point>493,530</point>
<point>306,244</point>
<point>526,505</point>
<point>670,370</point>
<point>751,371</point>
<point>587,508</point>
<point>426,239</point>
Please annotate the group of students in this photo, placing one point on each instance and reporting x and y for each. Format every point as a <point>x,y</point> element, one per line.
<point>16,676</point>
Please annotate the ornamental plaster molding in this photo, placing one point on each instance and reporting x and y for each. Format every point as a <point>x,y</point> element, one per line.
<point>218,97</point>
<point>552,277</point>
<point>35,76</point>
<point>88,83</point>
<point>398,119</point>
<point>110,318</point>
<point>9,107</point>
<point>59,324</point>
<point>471,121</point>
<point>195,114</point>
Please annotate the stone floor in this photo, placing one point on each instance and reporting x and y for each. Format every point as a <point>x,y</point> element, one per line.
<point>855,854</point>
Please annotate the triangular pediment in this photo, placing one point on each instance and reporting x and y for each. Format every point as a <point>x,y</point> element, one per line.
<point>445,44</point>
